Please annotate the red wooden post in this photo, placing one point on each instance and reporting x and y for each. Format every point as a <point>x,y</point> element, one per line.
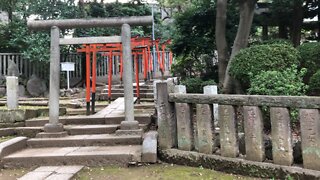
<point>110,75</point>
<point>137,77</point>
<point>94,77</point>
<point>88,78</point>
<point>145,60</point>
<point>163,47</point>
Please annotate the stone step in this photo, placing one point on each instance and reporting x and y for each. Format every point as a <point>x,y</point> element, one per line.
<point>104,96</point>
<point>119,86</point>
<point>52,172</point>
<point>122,90</point>
<point>77,120</point>
<point>82,111</point>
<point>86,140</point>
<point>89,156</point>
<point>91,129</point>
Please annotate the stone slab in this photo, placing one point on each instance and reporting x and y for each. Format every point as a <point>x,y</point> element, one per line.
<point>310,138</point>
<point>205,128</point>
<point>12,146</point>
<point>281,136</point>
<point>36,175</point>
<point>228,131</point>
<point>12,84</point>
<point>253,128</point>
<point>149,147</point>
<point>60,177</point>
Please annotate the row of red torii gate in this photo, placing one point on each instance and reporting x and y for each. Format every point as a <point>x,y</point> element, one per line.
<point>152,55</point>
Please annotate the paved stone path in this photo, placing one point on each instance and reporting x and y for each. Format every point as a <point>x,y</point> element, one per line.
<point>52,173</point>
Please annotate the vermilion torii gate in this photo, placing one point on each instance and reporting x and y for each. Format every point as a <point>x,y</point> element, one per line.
<point>140,47</point>
<point>54,128</point>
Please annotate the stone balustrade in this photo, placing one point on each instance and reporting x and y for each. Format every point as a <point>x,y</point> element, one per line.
<point>186,122</point>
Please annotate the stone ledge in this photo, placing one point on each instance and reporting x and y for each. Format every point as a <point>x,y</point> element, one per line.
<point>236,165</point>
<point>12,146</point>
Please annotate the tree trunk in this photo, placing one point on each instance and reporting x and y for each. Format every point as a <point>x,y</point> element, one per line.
<point>297,22</point>
<point>265,32</point>
<point>246,8</point>
<point>283,31</point>
<point>221,41</point>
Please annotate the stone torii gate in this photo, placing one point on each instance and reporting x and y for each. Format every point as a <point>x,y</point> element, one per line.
<point>54,128</point>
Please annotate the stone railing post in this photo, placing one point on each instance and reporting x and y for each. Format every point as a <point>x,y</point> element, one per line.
<point>253,129</point>
<point>213,90</point>
<point>228,131</point>
<point>281,136</point>
<point>184,122</point>
<point>205,125</point>
<point>310,138</point>
<point>167,124</point>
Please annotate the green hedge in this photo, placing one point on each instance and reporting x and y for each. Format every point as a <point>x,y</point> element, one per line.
<point>195,85</point>
<point>310,58</point>
<point>251,61</point>
<point>315,84</point>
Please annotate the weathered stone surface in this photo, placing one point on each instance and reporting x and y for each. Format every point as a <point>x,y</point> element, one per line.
<point>11,116</point>
<point>3,91</point>
<point>22,91</point>
<point>35,86</point>
<point>236,166</point>
<point>184,122</point>
<point>228,131</point>
<point>149,147</point>
<point>13,69</point>
<point>281,136</point>
<point>12,145</point>
<point>248,100</point>
<point>205,128</point>
<point>12,92</point>
<point>167,124</point>
<point>253,128</point>
<point>310,138</point>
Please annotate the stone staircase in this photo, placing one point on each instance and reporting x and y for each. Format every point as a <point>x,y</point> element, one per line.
<point>91,141</point>
<point>146,92</point>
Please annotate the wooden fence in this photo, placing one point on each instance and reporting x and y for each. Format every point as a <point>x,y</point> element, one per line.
<point>179,128</point>
<point>41,69</point>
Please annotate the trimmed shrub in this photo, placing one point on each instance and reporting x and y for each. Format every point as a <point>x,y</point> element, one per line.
<point>195,85</point>
<point>251,61</point>
<point>288,82</point>
<point>314,85</point>
<point>310,58</point>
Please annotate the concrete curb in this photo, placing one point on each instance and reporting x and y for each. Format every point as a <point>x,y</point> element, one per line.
<point>236,165</point>
<point>149,147</point>
<point>12,145</point>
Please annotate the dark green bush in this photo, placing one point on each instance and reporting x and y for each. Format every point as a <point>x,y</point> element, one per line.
<point>310,58</point>
<point>314,85</point>
<point>288,82</point>
<point>195,85</point>
<point>251,61</point>
<point>273,41</point>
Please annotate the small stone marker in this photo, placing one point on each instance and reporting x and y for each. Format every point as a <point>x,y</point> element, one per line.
<point>310,138</point>
<point>35,86</point>
<point>281,136</point>
<point>149,147</point>
<point>228,131</point>
<point>12,92</point>
<point>213,90</point>
<point>184,122</point>
<point>253,128</point>
<point>13,69</point>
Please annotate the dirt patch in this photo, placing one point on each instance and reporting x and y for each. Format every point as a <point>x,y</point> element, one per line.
<point>158,171</point>
<point>12,174</point>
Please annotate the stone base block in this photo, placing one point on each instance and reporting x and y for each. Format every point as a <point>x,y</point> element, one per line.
<point>121,132</point>
<point>52,135</point>
<point>129,125</point>
<point>53,128</point>
<point>149,147</point>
